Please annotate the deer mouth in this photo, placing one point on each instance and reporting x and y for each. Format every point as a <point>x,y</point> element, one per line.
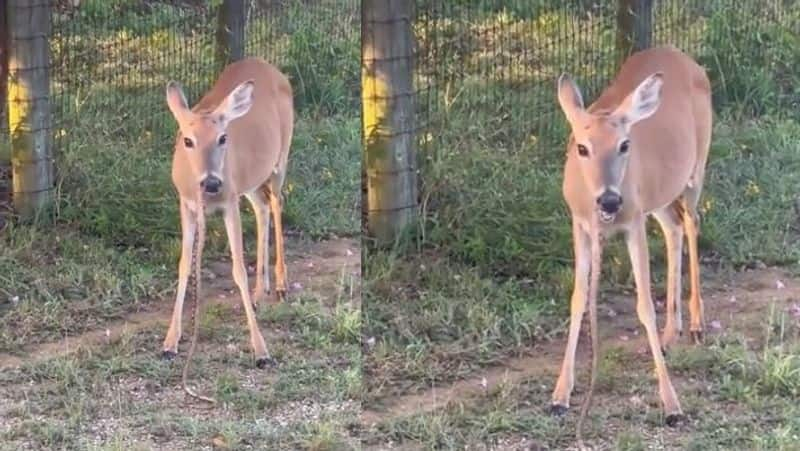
<point>606,217</point>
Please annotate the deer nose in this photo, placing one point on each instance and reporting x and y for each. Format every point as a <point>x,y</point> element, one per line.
<point>610,202</point>
<point>211,184</point>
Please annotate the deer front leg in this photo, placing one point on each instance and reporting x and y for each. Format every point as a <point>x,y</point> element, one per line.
<point>188,229</point>
<point>563,389</point>
<point>640,262</point>
<point>233,226</point>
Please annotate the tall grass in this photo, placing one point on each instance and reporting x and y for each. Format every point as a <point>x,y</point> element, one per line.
<point>115,241</point>
<point>492,173</point>
<point>493,260</point>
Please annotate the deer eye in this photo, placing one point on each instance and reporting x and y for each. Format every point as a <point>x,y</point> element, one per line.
<point>188,143</point>
<point>624,146</point>
<point>583,151</point>
<point>223,139</point>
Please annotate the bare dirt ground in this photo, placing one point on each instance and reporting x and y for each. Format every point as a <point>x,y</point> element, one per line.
<point>109,387</point>
<point>315,269</point>
<point>734,301</point>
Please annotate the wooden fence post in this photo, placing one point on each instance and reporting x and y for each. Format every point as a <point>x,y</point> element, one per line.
<point>5,155</point>
<point>634,27</point>
<point>231,24</point>
<point>388,115</point>
<point>29,106</point>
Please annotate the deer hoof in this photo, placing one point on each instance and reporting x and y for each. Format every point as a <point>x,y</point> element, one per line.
<point>558,410</point>
<point>263,362</point>
<point>280,295</point>
<point>697,336</point>
<point>675,419</point>
<point>168,355</point>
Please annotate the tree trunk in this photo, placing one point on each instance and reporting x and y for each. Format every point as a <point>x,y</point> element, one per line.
<point>231,31</point>
<point>634,27</point>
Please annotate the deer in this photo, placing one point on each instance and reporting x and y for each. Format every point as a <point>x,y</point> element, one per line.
<point>233,143</point>
<point>640,150</point>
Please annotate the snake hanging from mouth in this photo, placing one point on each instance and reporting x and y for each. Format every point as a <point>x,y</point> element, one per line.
<point>594,286</point>
<point>193,290</point>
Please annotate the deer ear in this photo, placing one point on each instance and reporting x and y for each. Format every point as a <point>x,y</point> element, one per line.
<point>643,101</point>
<point>237,103</point>
<point>176,100</point>
<point>569,97</point>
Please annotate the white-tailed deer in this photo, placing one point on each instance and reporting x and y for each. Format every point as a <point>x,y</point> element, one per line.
<point>233,143</point>
<point>639,150</point>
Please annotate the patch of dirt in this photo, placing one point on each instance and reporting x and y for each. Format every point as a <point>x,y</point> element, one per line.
<point>741,301</point>
<point>324,270</point>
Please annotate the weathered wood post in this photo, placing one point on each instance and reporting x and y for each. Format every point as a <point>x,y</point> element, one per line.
<point>388,115</point>
<point>29,106</point>
<point>231,25</point>
<point>3,59</point>
<point>634,27</point>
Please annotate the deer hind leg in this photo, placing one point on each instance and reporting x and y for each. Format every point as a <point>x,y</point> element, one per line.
<point>691,224</point>
<point>233,226</point>
<point>580,293</point>
<point>672,225</point>
<point>640,262</point>
<point>188,229</point>
<point>276,206</point>
<point>260,204</point>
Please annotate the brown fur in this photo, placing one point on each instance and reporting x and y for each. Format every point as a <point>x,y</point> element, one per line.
<point>251,104</point>
<point>259,140</point>
<point>661,103</point>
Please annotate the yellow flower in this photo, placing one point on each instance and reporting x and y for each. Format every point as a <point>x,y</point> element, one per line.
<point>752,189</point>
<point>707,205</point>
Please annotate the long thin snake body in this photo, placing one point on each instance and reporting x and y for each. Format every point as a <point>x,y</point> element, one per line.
<point>594,286</point>
<point>193,290</point>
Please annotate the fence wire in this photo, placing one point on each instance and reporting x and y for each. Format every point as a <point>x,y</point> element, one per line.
<point>110,62</point>
<point>494,58</point>
<point>387,57</point>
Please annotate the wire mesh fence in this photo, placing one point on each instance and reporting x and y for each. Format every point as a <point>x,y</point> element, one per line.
<point>503,57</point>
<point>110,61</point>
<point>492,152</point>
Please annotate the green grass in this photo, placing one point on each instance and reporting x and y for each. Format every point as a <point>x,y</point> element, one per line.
<point>488,272</point>
<point>115,240</point>
<point>112,246</point>
<point>766,418</point>
<point>497,280</point>
<point>310,398</point>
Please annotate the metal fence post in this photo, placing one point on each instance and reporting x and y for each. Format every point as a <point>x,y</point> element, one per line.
<point>634,27</point>
<point>231,31</point>
<point>29,106</point>
<point>388,115</point>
